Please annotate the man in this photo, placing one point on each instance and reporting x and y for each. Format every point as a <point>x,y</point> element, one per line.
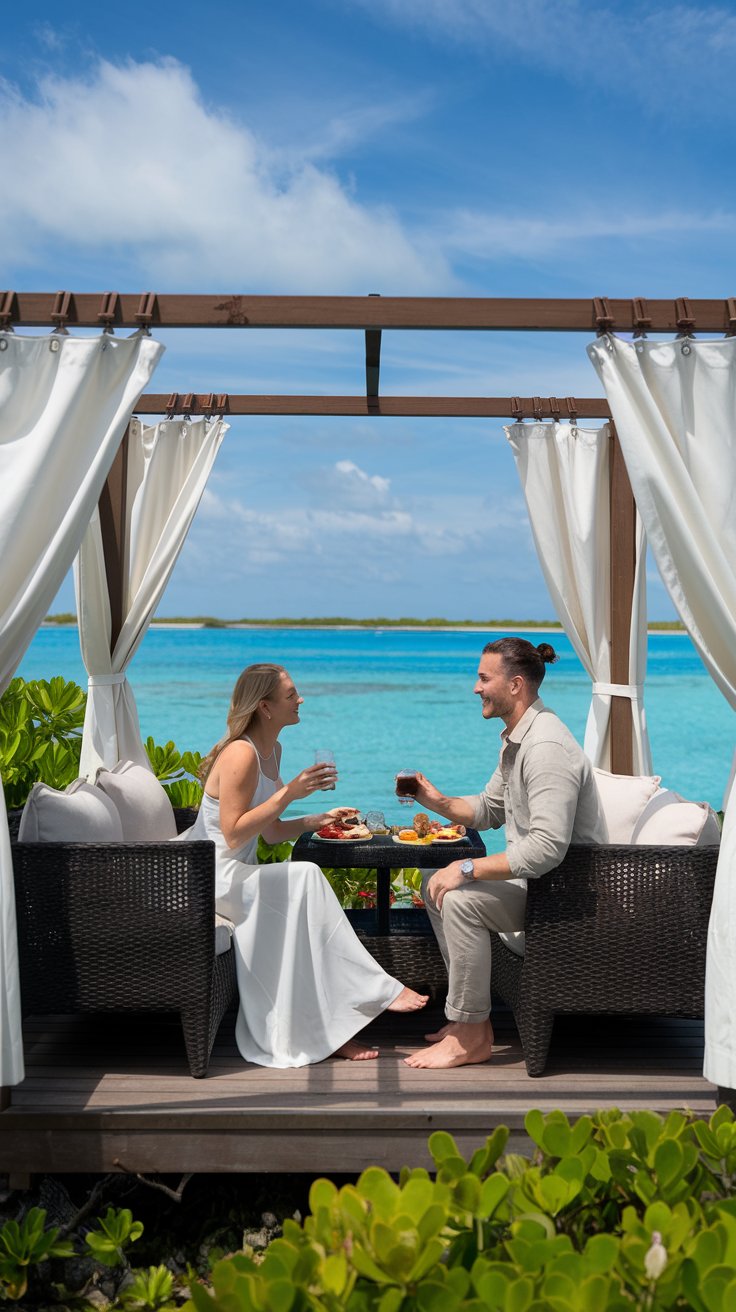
<point>544,792</point>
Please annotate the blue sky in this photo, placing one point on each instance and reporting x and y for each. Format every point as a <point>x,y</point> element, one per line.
<point>415,147</point>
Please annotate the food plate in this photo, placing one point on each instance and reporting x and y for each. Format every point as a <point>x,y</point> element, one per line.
<point>429,841</point>
<point>340,841</point>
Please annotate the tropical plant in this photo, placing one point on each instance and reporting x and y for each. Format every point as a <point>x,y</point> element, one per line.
<point>114,1231</point>
<point>26,1244</point>
<point>40,735</point>
<point>177,772</point>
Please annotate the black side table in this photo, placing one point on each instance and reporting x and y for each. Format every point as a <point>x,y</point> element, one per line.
<point>381,852</point>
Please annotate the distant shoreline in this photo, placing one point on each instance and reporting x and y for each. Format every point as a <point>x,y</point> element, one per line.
<point>404,625</point>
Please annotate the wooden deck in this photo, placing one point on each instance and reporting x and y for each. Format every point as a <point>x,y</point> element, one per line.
<point>102,1094</point>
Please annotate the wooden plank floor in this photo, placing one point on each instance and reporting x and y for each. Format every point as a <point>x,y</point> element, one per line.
<point>114,1093</point>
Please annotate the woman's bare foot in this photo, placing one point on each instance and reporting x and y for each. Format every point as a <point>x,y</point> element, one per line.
<point>462,1044</point>
<point>408,1000</point>
<point>440,1034</point>
<point>354,1051</point>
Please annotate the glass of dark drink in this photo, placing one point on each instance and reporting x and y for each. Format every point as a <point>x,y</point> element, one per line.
<point>407,784</point>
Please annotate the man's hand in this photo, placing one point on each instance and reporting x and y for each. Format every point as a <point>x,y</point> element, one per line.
<point>426,794</point>
<point>442,881</point>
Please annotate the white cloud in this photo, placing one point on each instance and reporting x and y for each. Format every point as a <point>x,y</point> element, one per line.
<point>496,236</point>
<point>357,481</point>
<point>638,51</point>
<point>130,160</point>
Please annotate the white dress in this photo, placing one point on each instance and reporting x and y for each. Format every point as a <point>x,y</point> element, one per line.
<point>306,982</point>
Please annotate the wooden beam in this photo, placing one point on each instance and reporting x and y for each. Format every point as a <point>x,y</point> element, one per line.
<point>236,310</point>
<point>112,509</point>
<point>623,567</point>
<point>468,407</point>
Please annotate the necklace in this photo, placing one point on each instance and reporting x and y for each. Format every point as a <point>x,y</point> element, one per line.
<point>262,758</point>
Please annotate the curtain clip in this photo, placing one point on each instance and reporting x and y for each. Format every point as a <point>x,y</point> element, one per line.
<point>61,310</point>
<point>640,316</point>
<point>207,404</point>
<point>147,308</point>
<point>602,315</point>
<point>8,311</point>
<point>731,316</point>
<point>537,408</point>
<point>187,405</point>
<point>172,404</point>
<point>554,409</point>
<point>222,403</point>
<point>571,406</point>
<point>109,310</point>
<point>517,410</point>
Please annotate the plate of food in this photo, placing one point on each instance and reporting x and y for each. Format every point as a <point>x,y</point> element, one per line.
<point>425,832</point>
<point>345,826</point>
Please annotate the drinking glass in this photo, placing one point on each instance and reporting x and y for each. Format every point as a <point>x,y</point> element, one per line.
<point>323,756</point>
<point>406,786</point>
<point>376,822</point>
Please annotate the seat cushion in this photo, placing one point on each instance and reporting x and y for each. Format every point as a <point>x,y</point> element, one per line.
<point>670,820</point>
<point>623,798</point>
<point>79,814</point>
<point>146,814</point>
<point>223,934</point>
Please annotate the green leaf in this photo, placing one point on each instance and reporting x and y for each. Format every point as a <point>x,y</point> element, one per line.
<point>442,1145</point>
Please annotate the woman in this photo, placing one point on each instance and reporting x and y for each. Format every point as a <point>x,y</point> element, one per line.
<point>306,982</point>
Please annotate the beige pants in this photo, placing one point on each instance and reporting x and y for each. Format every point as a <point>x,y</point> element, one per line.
<point>463,928</point>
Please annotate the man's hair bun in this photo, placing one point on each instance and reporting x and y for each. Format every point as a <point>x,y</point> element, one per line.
<point>547,653</point>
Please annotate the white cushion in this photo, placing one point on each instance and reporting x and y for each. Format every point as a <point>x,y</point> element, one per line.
<point>623,798</point>
<point>79,814</point>
<point>224,930</point>
<point>145,811</point>
<point>669,820</point>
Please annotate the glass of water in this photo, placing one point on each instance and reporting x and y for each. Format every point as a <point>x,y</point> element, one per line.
<point>323,756</point>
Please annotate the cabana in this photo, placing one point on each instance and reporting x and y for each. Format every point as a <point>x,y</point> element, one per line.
<point>72,454</point>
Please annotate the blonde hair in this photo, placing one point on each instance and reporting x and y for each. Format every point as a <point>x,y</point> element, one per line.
<point>253,685</point>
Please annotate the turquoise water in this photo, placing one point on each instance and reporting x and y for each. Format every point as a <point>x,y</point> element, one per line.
<point>384,700</point>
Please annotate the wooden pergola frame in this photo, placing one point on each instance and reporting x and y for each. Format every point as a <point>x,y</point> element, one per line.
<point>371,315</point>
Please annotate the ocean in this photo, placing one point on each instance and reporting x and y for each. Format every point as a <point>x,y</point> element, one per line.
<point>386,699</point>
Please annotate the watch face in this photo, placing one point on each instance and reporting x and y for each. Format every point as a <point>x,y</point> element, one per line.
<point>467,867</point>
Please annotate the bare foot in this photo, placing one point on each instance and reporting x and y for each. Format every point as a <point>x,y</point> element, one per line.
<point>408,1000</point>
<point>440,1034</point>
<point>353,1051</point>
<point>461,1045</point>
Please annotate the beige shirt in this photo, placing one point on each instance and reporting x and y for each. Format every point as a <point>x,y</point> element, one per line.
<point>543,791</point>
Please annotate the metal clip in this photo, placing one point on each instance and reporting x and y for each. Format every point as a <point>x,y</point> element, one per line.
<point>8,310</point>
<point>517,410</point>
<point>603,316</point>
<point>537,408</point>
<point>187,403</point>
<point>554,409</point>
<point>571,406</point>
<point>207,404</point>
<point>172,404</point>
<point>640,315</point>
<point>223,402</point>
<point>109,309</point>
<point>147,307</point>
<point>684,317</point>
<point>62,308</point>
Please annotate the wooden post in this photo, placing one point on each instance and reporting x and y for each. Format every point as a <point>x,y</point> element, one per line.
<point>112,508</point>
<point>622,566</point>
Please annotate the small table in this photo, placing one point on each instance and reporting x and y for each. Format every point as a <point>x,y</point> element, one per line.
<point>381,852</point>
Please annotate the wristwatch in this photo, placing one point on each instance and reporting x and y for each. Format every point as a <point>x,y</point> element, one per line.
<point>467,868</point>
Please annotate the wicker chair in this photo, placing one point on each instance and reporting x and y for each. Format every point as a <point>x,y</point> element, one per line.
<point>123,927</point>
<point>611,929</point>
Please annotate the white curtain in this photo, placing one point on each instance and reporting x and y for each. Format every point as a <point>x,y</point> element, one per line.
<point>64,404</point>
<point>564,473</point>
<point>168,465</point>
<point>674,406</point>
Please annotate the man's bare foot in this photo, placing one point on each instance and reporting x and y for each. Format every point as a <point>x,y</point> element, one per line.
<point>354,1051</point>
<point>461,1045</point>
<point>408,1000</point>
<point>440,1034</point>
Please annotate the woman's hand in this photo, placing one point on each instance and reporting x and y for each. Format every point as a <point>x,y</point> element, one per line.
<point>310,780</point>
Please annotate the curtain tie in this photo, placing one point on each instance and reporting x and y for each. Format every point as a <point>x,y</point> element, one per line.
<point>632,690</point>
<point>106,680</point>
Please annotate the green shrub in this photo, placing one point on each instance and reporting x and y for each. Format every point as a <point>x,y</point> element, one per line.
<point>41,726</point>
<point>614,1211</point>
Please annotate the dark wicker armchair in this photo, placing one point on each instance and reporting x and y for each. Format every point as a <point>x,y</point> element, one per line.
<point>611,929</point>
<point>123,927</point>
